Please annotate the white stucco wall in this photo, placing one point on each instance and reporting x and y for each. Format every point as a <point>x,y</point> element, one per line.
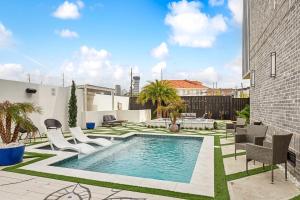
<point>104,102</point>
<point>130,115</point>
<point>52,99</point>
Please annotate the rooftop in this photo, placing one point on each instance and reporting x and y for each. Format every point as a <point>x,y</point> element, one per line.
<point>187,84</point>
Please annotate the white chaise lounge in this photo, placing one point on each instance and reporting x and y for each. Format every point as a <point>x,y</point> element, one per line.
<point>79,135</point>
<point>57,139</point>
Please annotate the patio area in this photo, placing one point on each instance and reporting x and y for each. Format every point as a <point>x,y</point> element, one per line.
<point>231,180</point>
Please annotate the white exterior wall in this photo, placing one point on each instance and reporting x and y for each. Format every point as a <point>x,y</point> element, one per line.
<point>130,115</point>
<point>103,102</point>
<point>191,92</point>
<point>53,104</point>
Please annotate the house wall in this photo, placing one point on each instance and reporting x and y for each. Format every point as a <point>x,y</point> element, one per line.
<point>129,115</point>
<point>103,102</point>
<point>275,27</point>
<point>52,99</point>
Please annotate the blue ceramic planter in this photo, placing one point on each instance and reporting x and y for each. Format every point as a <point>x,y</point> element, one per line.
<point>90,125</point>
<point>11,155</point>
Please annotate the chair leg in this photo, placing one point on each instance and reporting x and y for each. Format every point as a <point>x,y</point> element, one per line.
<point>285,170</point>
<point>272,174</point>
<point>234,152</point>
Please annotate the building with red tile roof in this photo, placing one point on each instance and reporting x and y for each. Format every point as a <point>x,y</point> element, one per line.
<point>189,88</point>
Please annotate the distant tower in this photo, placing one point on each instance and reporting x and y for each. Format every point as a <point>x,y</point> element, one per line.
<point>118,90</point>
<point>136,85</point>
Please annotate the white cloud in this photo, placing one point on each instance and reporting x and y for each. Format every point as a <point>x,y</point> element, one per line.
<point>5,36</point>
<point>69,10</point>
<point>12,71</point>
<point>161,51</point>
<point>192,28</point>
<point>66,33</point>
<point>228,76</point>
<point>236,8</point>
<point>216,2</point>
<point>156,69</point>
<point>93,66</point>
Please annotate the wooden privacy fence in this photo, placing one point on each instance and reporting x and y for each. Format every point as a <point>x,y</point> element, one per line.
<point>221,107</point>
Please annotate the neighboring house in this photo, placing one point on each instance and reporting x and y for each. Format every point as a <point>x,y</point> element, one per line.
<point>221,92</point>
<point>271,60</point>
<point>189,88</point>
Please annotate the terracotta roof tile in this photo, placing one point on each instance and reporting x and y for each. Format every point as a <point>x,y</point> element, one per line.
<point>186,84</point>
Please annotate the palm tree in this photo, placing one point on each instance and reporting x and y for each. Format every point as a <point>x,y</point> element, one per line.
<point>14,116</point>
<point>158,92</point>
<point>174,110</point>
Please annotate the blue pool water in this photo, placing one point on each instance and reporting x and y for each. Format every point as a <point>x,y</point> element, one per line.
<point>155,157</point>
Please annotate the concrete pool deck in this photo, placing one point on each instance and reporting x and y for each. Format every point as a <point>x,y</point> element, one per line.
<point>202,181</point>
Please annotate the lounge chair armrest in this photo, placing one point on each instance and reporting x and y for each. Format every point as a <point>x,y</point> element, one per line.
<point>241,131</point>
<point>239,138</point>
<point>259,140</point>
<point>259,153</point>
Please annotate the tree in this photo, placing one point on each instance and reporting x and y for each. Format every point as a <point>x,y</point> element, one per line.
<point>174,110</point>
<point>158,92</point>
<point>13,117</point>
<point>73,107</point>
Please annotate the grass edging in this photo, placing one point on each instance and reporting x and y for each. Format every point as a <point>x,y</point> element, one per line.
<point>221,189</point>
<point>251,172</point>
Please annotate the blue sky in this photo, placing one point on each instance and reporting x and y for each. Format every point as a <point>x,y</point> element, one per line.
<point>97,41</point>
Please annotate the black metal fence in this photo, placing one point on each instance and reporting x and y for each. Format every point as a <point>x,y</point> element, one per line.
<point>220,107</point>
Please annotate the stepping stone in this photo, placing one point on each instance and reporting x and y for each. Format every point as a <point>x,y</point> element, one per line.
<point>233,166</point>
<point>229,149</point>
<point>259,187</point>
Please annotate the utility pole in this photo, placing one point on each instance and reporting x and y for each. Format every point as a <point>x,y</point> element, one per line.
<point>28,78</point>
<point>131,82</point>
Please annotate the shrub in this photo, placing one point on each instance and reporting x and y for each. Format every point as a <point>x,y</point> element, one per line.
<point>73,107</point>
<point>215,125</point>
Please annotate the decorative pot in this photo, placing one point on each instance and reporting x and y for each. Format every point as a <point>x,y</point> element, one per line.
<point>174,128</point>
<point>11,155</point>
<point>90,125</point>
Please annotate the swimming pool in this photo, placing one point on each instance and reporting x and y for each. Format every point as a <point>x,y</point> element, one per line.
<point>168,158</point>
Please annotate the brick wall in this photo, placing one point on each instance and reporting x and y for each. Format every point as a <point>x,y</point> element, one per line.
<point>275,27</point>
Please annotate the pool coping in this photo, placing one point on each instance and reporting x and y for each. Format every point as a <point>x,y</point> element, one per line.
<point>202,181</point>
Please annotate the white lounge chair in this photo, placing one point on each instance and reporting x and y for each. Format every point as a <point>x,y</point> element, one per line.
<point>79,135</point>
<point>57,139</point>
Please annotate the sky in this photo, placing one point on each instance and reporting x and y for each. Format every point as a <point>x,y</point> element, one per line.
<point>99,41</point>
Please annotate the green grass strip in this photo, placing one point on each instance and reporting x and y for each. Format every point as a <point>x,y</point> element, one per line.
<point>227,144</point>
<point>251,172</point>
<point>221,189</point>
<point>232,155</point>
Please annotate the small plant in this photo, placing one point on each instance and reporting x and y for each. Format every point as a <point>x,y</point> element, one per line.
<point>206,128</point>
<point>200,128</point>
<point>215,125</point>
<point>245,113</point>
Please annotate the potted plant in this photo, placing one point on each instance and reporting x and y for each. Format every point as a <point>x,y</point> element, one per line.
<point>174,110</point>
<point>13,117</point>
